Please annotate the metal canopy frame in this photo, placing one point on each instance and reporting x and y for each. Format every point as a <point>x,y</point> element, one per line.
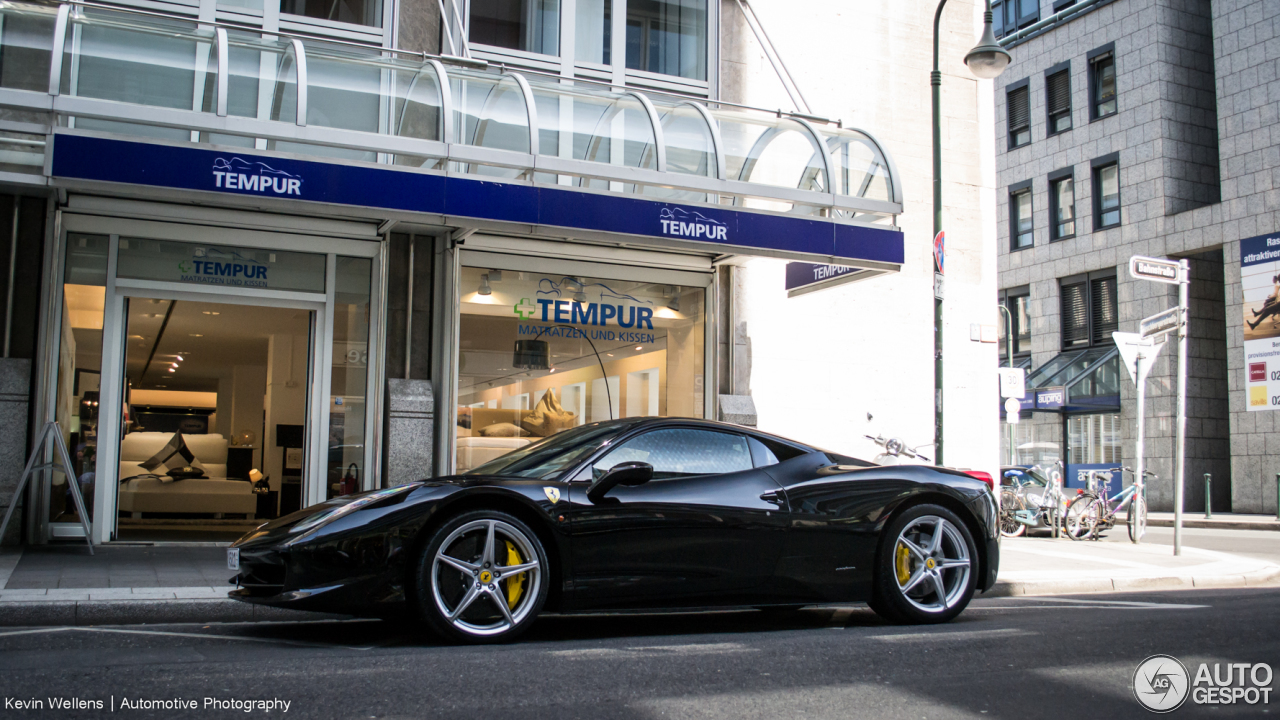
<point>844,202</point>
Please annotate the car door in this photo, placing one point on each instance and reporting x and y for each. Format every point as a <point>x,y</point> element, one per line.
<point>698,533</point>
<point>836,506</point>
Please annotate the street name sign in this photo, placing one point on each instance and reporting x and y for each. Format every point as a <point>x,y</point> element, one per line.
<point>1155,269</point>
<point>1160,323</point>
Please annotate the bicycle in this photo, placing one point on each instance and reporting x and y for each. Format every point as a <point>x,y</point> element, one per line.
<point>1032,500</point>
<point>1094,510</point>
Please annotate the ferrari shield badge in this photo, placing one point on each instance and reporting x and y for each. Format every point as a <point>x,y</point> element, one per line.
<point>553,494</point>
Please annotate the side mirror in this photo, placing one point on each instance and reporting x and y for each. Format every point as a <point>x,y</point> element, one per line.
<point>627,473</point>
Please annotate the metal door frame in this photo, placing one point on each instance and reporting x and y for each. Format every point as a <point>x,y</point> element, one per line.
<point>321,306</point>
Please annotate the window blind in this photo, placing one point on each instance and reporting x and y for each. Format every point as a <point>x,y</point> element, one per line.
<point>1058,91</point>
<point>1075,316</point>
<point>1019,109</point>
<point>1106,318</point>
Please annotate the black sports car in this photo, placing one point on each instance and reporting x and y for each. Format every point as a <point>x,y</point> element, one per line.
<point>643,513</point>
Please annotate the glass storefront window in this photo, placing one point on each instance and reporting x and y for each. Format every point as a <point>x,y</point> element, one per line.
<point>668,37</point>
<point>346,461</point>
<point>1037,443</point>
<point>540,353</point>
<point>80,369</point>
<point>528,25</point>
<point>1094,438</point>
<point>221,265</point>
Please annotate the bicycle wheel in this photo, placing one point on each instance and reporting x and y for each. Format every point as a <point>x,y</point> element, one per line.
<point>1137,517</point>
<point>1081,518</point>
<point>1010,503</point>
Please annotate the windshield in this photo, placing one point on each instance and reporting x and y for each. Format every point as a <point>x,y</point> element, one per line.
<point>1025,476</point>
<point>552,455</point>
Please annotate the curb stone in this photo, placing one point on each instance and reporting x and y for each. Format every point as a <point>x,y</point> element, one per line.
<point>1010,588</point>
<point>144,612</point>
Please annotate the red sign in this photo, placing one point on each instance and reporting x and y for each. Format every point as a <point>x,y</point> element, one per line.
<point>939,251</point>
<point>1258,372</point>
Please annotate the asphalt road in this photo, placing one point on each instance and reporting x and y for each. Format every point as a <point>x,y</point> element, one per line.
<point>1069,657</point>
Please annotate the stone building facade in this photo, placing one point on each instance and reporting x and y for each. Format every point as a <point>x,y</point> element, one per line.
<point>1190,129</point>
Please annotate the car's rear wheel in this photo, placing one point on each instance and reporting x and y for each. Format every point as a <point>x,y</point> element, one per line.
<point>482,577</point>
<point>926,571</point>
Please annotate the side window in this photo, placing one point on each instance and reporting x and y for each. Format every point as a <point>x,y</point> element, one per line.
<point>761,454</point>
<point>680,452</point>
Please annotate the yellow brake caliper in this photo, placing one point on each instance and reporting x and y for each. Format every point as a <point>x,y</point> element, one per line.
<point>515,585</point>
<point>902,562</point>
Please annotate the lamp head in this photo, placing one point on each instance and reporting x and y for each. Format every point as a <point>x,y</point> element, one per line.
<point>484,286</point>
<point>987,60</point>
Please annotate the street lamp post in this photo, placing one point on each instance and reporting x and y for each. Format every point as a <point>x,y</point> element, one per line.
<point>1008,347</point>
<point>986,61</point>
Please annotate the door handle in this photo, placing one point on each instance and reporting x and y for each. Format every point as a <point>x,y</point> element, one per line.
<point>773,496</point>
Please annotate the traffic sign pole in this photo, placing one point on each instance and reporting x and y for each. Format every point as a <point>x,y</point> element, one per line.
<point>1184,292</point>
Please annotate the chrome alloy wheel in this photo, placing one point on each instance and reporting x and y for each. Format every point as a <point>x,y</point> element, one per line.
<point>931,564</point>
<point>485,577</point>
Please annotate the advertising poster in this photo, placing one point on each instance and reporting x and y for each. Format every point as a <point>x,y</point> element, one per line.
<point>1260,280</point>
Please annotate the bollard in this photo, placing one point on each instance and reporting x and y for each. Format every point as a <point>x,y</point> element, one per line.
<point>1208,497</point>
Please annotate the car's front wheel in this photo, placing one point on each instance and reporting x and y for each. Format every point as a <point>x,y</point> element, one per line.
<point>927,568</point>
<point>481,577</point>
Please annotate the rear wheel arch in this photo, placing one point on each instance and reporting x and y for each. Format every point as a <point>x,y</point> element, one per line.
<point>501,503</point>
<point>933,497</point>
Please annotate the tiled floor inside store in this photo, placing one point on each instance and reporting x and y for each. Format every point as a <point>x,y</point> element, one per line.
<point>116,566</point>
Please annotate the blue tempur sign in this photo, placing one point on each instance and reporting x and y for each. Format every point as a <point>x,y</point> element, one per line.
<point>192,167</point>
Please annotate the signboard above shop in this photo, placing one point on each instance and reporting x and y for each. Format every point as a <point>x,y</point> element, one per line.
<point>452,199</point>
<point>808,277</point>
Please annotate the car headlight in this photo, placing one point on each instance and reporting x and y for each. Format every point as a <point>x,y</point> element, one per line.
<point>321,519</point>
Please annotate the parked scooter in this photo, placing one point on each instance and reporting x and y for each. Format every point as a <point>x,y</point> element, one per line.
<point>894,450</point>
<point>1033,500</point>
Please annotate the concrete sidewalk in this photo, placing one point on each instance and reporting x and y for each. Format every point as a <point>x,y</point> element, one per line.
<point>1047,566</point>
<point>1219,521</point>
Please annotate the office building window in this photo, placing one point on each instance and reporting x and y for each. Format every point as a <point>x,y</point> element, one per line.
<point>1062,205</point>
<point>528,25</point>
<point>1020,215</point>
<point>1019,106</point>
<point>1017,301</point>
<point>1106,192</point>
<point>1089,310</point>
<point>1057,95</point>
<point>356,12</point>
<point>668,37</point>
<point>1009,15</point>
<point>1102,82</point>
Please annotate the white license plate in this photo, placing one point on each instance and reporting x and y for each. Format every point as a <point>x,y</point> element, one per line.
<point>233,558</point>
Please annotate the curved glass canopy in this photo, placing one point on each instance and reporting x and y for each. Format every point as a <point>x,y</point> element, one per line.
<point>171,78</point>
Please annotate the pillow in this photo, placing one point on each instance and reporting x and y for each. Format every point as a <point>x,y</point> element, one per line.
<point>173,456</point>
<point>549,417</point>
<point>502,430</point>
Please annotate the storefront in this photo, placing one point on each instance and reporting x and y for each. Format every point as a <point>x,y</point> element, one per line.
<point>251,239</point>
<point>1074,404</point>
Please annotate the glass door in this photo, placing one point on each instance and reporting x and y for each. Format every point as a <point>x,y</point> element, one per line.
<point>214,414</point>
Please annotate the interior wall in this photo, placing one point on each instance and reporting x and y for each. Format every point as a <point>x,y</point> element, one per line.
<point>286,396</point>
<point>248,399</point>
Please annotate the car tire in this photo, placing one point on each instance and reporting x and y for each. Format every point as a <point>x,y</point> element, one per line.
<point>461,588</point>
<point>923,543</point>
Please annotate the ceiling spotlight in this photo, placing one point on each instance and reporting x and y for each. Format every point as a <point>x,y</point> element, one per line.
<point>484,286</point>
<point>194,335</point>
<point>179,358</point>
<point>609,354</point>
<point>580,296</point>
<point>162,386</point>
<point>639,347</point>
<point>174,364</point>
<point>674,305</point>
<point>554,369</point>
<point>172,370</point>
<point>206,312</point>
